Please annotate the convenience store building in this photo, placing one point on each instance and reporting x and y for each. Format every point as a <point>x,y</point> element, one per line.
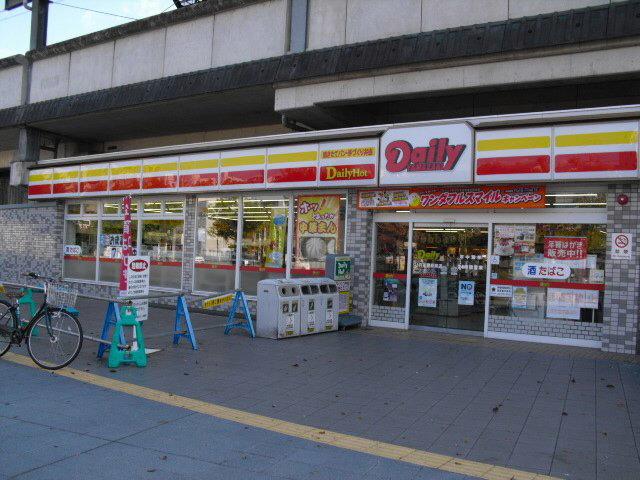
<point>500,226</point>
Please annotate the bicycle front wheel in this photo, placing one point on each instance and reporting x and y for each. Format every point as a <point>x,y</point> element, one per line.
<point>7,321</point>
<point>54,339</point>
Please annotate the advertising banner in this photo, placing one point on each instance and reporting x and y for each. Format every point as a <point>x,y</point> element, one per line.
<point>569,251</point>
<point>455,197</point>
<point>126,241</point>
<point>545,271</point>
<point>317,226</point>
<point>566,297</point>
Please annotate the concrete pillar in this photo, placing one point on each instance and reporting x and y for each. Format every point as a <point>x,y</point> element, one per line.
<point>620,322</point>
<point>27,154</point>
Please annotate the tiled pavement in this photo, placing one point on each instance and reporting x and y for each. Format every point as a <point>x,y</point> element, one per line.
<point>54,428</point>
<point>572,413</point>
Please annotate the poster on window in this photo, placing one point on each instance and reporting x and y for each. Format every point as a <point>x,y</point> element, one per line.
<point>514,240</point>
<point>317,226</point>
<point>519,298</point>
<point>427,292</point>
<point>466,292</point>
<point>568,297</point>
<point>277,239</point>
<point>568,251</point>
<point>390,290</point>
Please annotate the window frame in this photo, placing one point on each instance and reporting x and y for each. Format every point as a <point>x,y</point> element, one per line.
<point>290,195</point>
<point>138,217</point>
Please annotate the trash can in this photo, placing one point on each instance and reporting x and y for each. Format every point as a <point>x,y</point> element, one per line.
<point>278,309</point>
<point>309,305</point>
<point>329,306</point>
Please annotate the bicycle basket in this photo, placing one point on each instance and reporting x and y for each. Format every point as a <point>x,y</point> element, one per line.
<point>59,295</point>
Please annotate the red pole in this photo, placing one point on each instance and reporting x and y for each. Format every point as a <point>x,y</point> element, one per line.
<point>126,241</point>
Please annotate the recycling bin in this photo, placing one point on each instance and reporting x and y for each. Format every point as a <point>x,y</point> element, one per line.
<point>278,308</point>
<point>309,305</point>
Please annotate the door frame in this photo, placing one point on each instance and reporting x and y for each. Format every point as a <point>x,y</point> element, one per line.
<point>472,217</point>
<point>407,312</point>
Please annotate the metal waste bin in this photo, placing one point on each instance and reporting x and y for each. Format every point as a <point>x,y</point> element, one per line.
<point>309,305</point>
<point>278,309</point>
<point>329,306</point>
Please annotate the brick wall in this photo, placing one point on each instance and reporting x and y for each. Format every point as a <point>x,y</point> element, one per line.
<point>188,242</point>
<point>30,240</point>
<point>358,246</point>
<point>387,314</point>
<point>546,327</point>
<point>620,323</point>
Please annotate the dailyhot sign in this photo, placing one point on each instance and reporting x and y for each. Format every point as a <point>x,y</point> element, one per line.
<point>433,154</point>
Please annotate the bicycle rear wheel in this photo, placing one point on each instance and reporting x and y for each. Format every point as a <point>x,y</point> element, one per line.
<point>6,320</point>
<point>58,339</point>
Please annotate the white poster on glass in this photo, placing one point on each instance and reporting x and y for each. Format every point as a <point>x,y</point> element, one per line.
<point>466,292</point>
<point>427,292</point>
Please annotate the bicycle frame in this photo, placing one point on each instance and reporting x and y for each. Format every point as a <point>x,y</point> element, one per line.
<point>43,309</point>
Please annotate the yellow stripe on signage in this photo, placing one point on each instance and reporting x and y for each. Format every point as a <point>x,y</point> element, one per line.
<point>241,161</point>
<point>125,170</point>
<point>40,177</point>
<point>98,172</point>
<point>217,301</point>
<point>199,164</point>
<point>65,175</point>
<point>602,138</point>
<point>160,167</point>
<point>400,453</point>
<point>514,143</point>
<point>293,157</point>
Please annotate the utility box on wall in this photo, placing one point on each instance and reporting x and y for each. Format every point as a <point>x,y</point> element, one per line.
<point>339,268</point>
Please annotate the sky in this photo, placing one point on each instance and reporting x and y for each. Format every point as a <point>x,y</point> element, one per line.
<point>66,22</point>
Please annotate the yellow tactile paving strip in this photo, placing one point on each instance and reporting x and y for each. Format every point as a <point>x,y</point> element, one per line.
<point>327,437</point>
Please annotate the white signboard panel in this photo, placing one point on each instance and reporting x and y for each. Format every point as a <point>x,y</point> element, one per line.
<point>138,268</point>
<point>621,246</point>
<point>432,154</point>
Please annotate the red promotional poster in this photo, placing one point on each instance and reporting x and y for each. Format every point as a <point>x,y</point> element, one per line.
<point>126,241</point>
<point>570,251</point>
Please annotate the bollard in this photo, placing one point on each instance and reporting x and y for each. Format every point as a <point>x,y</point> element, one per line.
<point>119,356</point>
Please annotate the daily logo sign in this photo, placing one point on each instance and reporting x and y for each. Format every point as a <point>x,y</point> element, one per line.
<point>434,154</point>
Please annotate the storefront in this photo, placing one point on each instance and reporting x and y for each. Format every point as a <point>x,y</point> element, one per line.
<point>502,232</point>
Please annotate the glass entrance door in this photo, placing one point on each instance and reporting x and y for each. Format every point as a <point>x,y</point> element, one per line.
<point>448,276</point>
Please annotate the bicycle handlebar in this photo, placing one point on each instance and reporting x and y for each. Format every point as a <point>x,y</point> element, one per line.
<point>35,276</point>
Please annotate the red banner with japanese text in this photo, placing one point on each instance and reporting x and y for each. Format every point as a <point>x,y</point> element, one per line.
<point>454,197</point>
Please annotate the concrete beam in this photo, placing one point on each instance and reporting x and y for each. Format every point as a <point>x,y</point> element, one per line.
<point>569,66</point>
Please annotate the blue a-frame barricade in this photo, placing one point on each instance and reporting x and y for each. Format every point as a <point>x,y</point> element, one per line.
<point>110,320</point>
<point>247,323</point>
<point>182,326</point>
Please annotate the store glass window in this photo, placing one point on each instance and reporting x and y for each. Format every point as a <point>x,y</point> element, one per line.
<point>548,271</point>
<point>110,249</point>
<point>216,240</point>
<point>390,270</point>
<point>162,240</point>
<point>80,249</point>
<point>264,240</point>
<point>319,222</point>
